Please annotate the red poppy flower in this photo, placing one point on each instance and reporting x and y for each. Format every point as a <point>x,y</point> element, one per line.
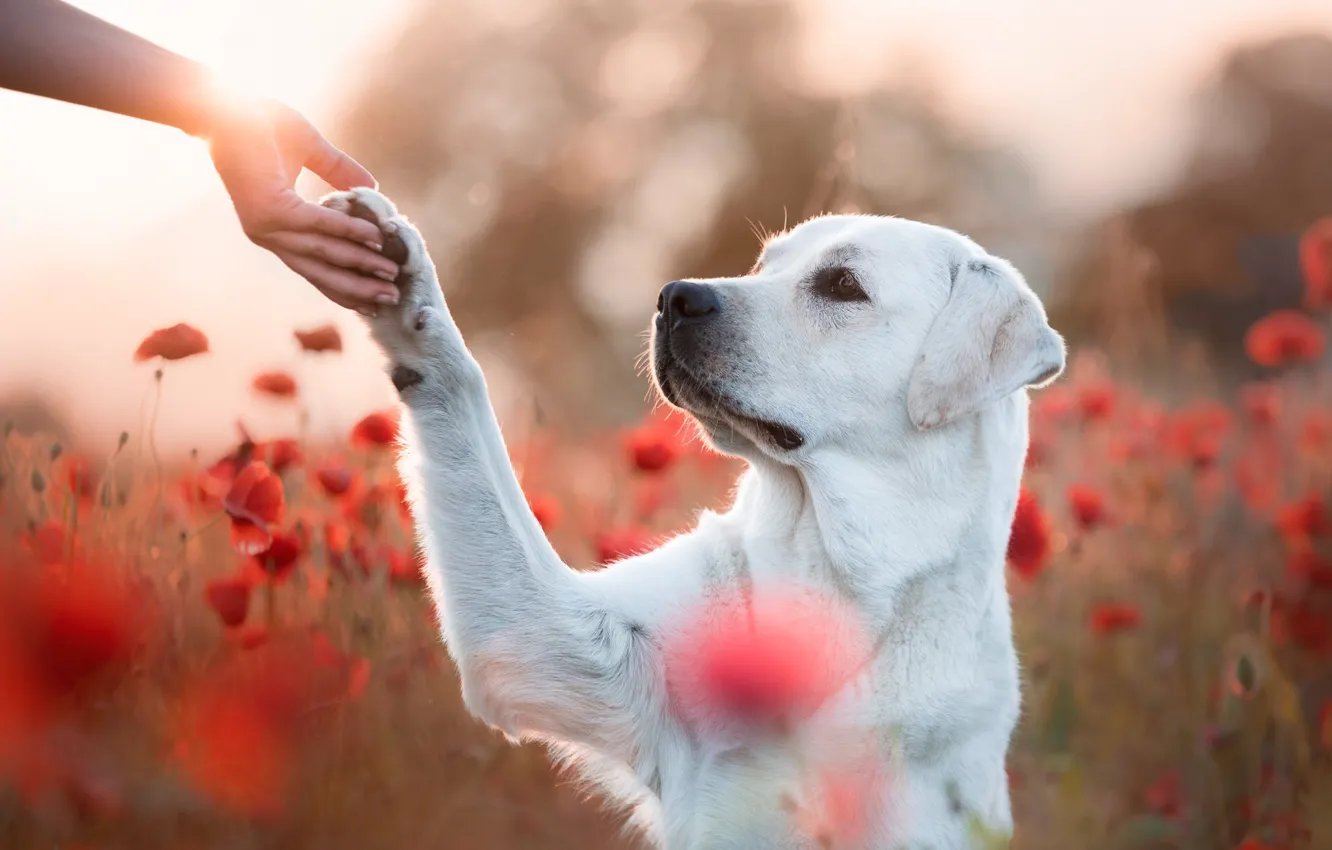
<point>1303,519</point>
<point>1110,617</point>
<point>229,598</point>
<point>1262,404</point>
<point>1054,404</point>
<point>322,338</point>
<point>619,543</point>
<point>375,431</point>
<point>403,568</point>
<point>1196,433</point>
<point>1163,795</point>
<point>546,509</point>
<point>1316,261</point>
<point>174,343</point>
<point>276,563</point>
<point>276,384</point>
<point>255,502</point>
<point>281,455</point>
<point>651,448</point>
<point>1284,337</point>
<point>772,658</point>
<point>1087,504</point>
<point>82,478</point>
<point>1029,540</point>
<point>242,726</point>
<point>1097,400</point>
<point>336,480</point>
<point>1307,567</point>
<point>73,624</point>
<point>1309,627</point>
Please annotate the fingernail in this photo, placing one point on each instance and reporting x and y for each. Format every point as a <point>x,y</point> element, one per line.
<point>389,298</point>
<point>383,275</point>
<point>368,312</point>
<point>374,246</point>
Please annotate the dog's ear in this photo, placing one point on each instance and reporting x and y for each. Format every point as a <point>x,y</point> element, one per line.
<point>991,340</point>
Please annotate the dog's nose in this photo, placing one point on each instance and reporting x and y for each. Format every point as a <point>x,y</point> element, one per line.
<point>681,300</point>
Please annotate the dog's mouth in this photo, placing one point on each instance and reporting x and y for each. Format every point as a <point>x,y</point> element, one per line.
<point>687,391</point>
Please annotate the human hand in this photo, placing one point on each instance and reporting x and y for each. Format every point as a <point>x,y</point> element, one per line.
<point>259,149</point>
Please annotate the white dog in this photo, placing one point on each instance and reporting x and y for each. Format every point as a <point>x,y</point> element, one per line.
<point>873,373</point>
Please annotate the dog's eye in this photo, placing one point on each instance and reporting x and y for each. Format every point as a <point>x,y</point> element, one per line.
<point>839,284</point>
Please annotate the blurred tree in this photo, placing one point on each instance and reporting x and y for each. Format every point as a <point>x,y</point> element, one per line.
<point>1221,242</point>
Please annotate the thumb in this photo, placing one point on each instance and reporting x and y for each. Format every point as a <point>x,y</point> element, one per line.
<point>336,168</point>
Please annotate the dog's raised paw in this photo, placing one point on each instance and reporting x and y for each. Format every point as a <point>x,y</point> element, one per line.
<point>372,206</point>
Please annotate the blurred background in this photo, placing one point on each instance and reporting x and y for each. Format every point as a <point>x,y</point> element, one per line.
<point>1148,164</point>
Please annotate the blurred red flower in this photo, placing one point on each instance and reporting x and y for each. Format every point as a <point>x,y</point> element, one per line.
<point>1087,504</point>
<point>618,543</point>
<point>280,455</point>
<point>229,598</point>
<point>375,431</point>
<point>1196,433</point>
<point>1262,404</point>
<point>1306,567</point>
<point>1110,617</point>
<point>255,502</point>
<point>174,343</point>
<point>69,625</point>
<point>1284,337</point>
<point>1029,540</point>
<point>1097,400</point>
<point>404,568</point>
<point>1303,519</point>
<point>276,563</point>
<point>651,447</point>
<point>771,658</point>
<point>241,726</point>
<point>276,384</point>
<point>81,477</point>
<point>1054,404</point>
<point>1316,262</point>
<point>322,338</point>
<point>335,479</point>
<point>546,510</point>
<point>1163,795</point>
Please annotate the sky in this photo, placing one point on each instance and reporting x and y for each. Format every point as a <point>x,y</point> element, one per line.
<point>113,227</point>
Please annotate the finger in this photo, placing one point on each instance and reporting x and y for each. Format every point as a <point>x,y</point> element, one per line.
<point>336,252</point>
<point>312,217</point>
<point>336,168</point>
<point>340,285</point>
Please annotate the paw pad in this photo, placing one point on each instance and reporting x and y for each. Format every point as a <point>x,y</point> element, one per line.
<point>395,249</point>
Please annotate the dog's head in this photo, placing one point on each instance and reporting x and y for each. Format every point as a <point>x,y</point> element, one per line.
<point>850,330</point>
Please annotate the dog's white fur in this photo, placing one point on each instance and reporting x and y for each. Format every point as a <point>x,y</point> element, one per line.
<point>912,407</point>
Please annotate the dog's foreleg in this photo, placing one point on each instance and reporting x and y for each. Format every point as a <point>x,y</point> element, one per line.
<point>542,650</point>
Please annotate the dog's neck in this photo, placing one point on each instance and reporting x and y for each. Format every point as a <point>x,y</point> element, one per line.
<point>883,517</point>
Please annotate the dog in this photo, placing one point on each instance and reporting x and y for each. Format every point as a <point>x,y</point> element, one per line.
<point>873,373</point>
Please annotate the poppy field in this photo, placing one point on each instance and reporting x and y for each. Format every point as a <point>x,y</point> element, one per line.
<point>239,651</point>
